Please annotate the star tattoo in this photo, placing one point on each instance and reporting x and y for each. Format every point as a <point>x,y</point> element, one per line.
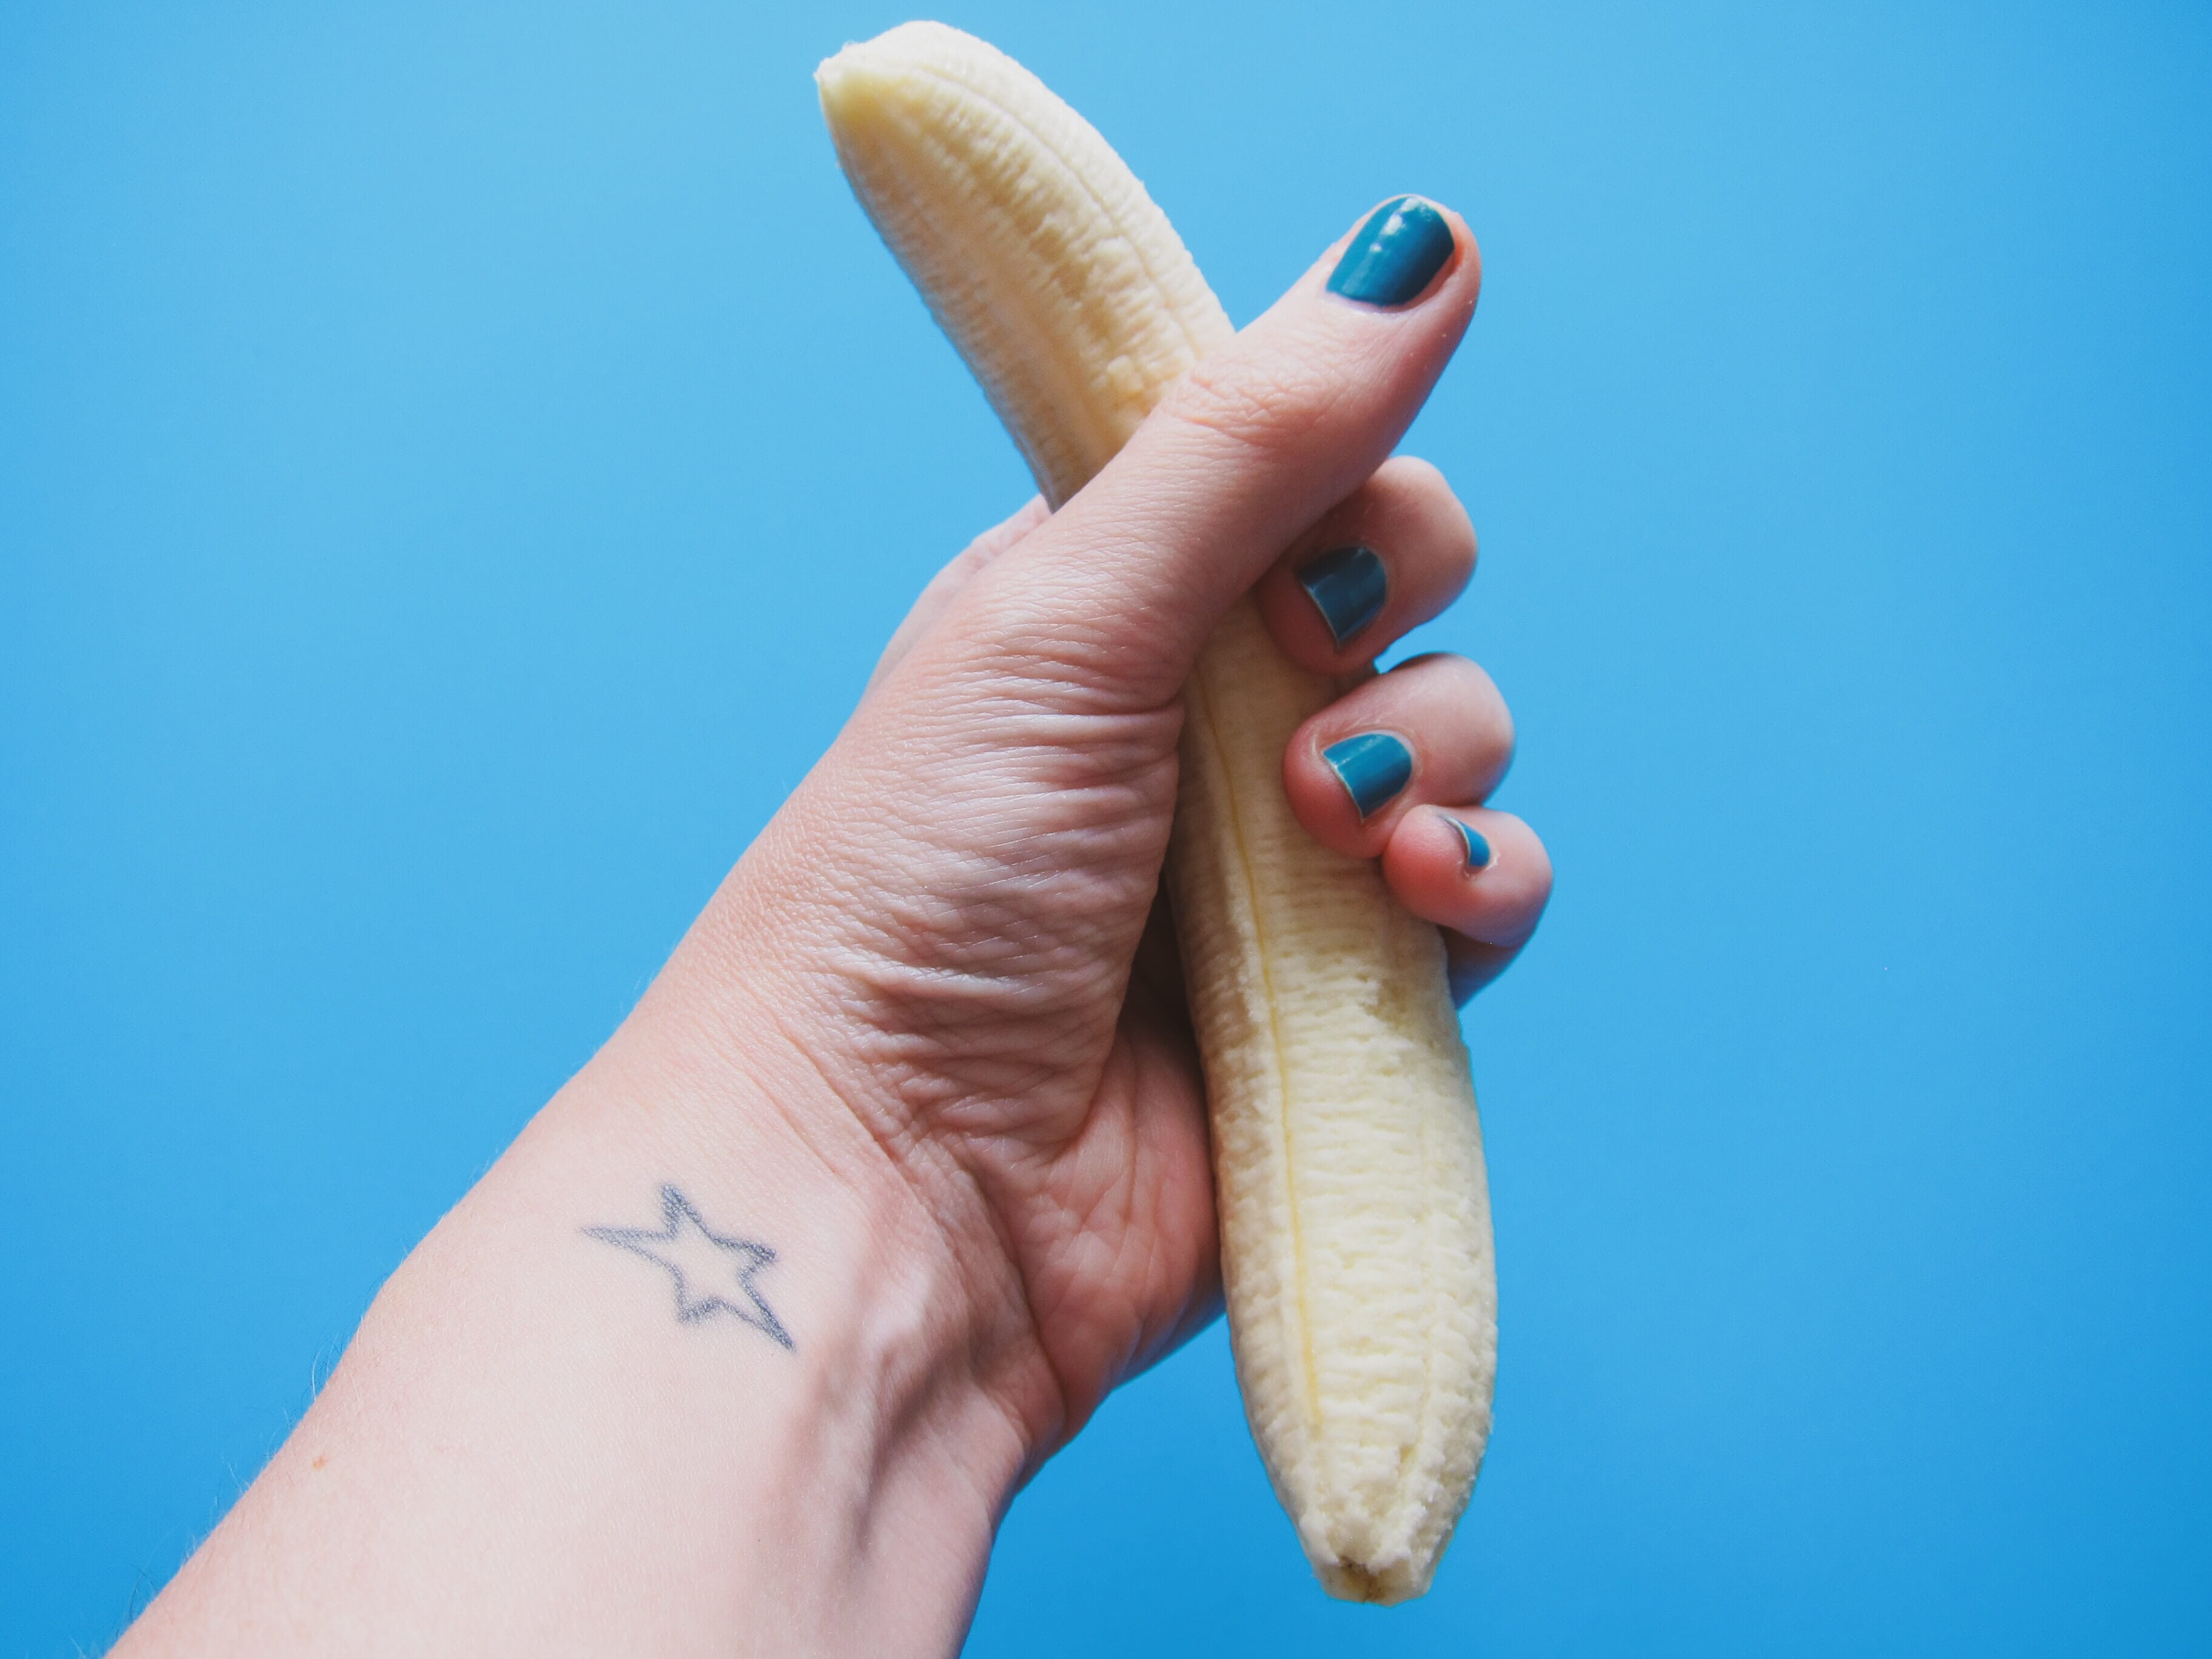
<point>713,1275</point>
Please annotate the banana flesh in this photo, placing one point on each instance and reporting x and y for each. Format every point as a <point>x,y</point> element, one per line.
<point>1355,1220</point>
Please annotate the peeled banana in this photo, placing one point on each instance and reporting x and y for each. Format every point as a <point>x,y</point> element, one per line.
<point>1355,1220</point>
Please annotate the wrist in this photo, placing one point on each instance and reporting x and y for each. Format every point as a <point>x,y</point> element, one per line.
<point>731,1072</point>
<point>897,1279</point>
<point>916,1409</point>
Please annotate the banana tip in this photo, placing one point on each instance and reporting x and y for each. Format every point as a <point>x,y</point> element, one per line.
<point>1352,1581</point>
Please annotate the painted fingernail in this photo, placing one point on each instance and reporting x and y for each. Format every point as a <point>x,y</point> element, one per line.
<point>1477,849</point>
<point>1372,766</point>
<point>1395,255</point>
<point>1347,586</point>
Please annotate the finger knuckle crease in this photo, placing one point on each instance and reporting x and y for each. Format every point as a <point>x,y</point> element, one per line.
<point>1268,409</point>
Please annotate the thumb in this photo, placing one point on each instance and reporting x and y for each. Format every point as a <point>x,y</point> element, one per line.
<point>1121,587</point>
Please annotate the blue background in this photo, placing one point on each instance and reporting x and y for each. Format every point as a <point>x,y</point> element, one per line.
<point>457,464</point>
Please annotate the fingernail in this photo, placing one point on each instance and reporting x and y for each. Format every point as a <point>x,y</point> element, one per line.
<point>1395,255</point>
<point>1477,849</point>
<point>1372,766</point>
<point>1347,586</point>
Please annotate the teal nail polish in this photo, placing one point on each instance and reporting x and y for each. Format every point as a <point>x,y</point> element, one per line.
<point>1395,255</point>
<point>1347,586</point>
<point>1372,766</point>
<point>1477,849</point>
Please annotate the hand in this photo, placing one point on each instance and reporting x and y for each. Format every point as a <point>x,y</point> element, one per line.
<point>953,929</point>
<point>919,1087</point>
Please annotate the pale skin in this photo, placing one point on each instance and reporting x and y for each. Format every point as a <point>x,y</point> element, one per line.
<point>927,1044</point>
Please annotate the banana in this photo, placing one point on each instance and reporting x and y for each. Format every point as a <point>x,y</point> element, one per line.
<point>1355,1219</point>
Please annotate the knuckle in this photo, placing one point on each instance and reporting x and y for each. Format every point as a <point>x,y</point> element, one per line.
<point>1464,699</point>
<point>1529,854</point>
<point>1536,889</point>
<point>1271,407</point>
<point>1459,542</point>
<point>1451,527</point>
<point>1457,676</point>
<point>1413,496</point>
<point>1415,480</point>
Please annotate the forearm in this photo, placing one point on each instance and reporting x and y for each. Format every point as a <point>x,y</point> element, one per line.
<point>530,1446</point>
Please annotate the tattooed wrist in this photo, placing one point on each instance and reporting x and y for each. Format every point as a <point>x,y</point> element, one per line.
<point>713,1275</point>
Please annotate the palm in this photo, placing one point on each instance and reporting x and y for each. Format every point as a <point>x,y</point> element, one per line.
<point>1114,1227</point>
<point>967,893</point>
